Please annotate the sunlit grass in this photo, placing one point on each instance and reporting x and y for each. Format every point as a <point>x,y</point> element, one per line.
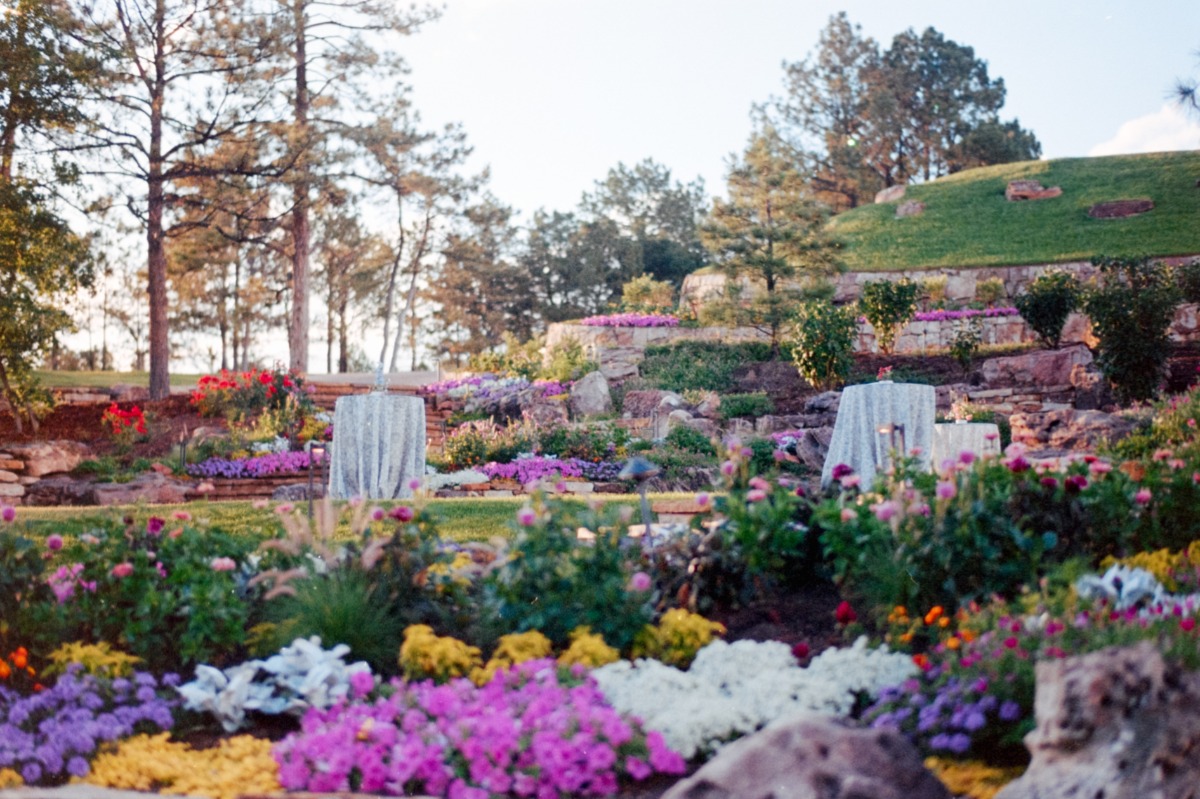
<point>967,221</point>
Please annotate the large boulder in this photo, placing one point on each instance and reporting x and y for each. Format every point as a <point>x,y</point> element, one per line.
<point>890,194</point>
<point>50,457</point>
<point>60,490</point>
<point>1068,429</point>
<point>645,403</point>
<point>1116,724</point>
<point>1018,190</point>
<point>590,396</point>
<point>1041,368</point>
<point>149,487</point>
<point>910,208</point>
<point>813,757</point>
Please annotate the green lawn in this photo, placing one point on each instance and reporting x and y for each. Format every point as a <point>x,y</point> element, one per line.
<point>462,519</point>
<point>967,221</point>
<point>106,379</point>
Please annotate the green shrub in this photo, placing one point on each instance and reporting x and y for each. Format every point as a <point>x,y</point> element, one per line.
<point>706,366</point>
<point>553,583</point>
<point>568,362</point>
<point>690,439</point>
<point>516,359</point>
<point>1189,281</point>
<point>968,335</point>
<point>591,442</point>
<point>934,290</point>
<point>754,404</point>
<point>1131,312</point>
<point>1047,303</point>
<point>989,291</point>
<point>644,294</point>
<point>822,344</point>
<point>889,305</point>
<point>466,446</point>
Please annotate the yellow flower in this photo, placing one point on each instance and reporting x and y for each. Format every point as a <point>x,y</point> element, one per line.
<point>424,655</point>
<point>511,650</point>
<point>588,649</point>
<point>236,766</point>
<point>679,635</point>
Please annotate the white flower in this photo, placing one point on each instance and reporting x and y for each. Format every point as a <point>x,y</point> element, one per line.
<point>734,689</point>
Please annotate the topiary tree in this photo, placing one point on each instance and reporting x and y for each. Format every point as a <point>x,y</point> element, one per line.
<point>822,343</point>
<point>1047,303</point>
<point>1131,310</point>
<point>889,305</point>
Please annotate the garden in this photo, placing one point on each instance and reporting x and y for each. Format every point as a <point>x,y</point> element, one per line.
<point>476,648</point>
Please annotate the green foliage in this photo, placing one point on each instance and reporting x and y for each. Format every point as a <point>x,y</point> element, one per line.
<point>948,233</point>
<point>968,335</point>
<point>690,439</point>
<point>516,359</point>
<point>934,290</point>
<point>342,607</point>
<point>568,362</point>
<point>1046,304</point>
<point>42,264</point>
<point>752,405</point>
<point>822,344</point>
<point>1188,277</point>
<point>889,305</point>
<point>989,291</point>
<point>591,442</point>
<point>467,446</point>
<point>1131,312</point>
<point>699,365</point>
<point>553,583</point>
<point>21,585</point>
<point>644,294</point>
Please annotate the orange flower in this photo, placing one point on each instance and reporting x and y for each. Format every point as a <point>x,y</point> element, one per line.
<point>922,662</point>
<point>20,658</point>
<point>5,671</point>
<point>906,637</point>
<point>944,621</point>
<point>934,614</point>
<point>952,643</point>
<point>966,635</point>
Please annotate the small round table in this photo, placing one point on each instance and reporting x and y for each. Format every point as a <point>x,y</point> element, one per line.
<point>378,446</point>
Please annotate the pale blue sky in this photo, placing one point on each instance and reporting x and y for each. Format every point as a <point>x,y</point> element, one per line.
<point>552,93</point>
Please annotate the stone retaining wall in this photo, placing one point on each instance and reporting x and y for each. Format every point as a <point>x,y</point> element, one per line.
<point>619,350</point>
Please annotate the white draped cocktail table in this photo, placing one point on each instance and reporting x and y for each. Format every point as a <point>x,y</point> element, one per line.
<point>378,446</point>
<point>865,409</point>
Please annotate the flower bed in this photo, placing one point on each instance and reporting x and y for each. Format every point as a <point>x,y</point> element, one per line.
<point>267,464</point>
<point>631,320</point>
<point>537,468</point>
<point>942,315</point>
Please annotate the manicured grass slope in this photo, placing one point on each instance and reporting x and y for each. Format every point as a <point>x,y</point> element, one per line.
<point>967,221</point>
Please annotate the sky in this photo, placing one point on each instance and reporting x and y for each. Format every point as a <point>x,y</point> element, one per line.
<point>554,93</point>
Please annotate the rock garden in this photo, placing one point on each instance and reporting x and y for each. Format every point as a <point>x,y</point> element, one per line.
<point>1019,621</point>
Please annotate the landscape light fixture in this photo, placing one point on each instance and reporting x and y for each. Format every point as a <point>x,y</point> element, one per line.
<point>894,431</point>
<point>640,471</point>
<point>316,451</point>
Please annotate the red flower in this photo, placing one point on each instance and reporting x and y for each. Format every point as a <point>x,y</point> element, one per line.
<point>1187,625</point>
<point>800,651</point>
<point>845,614</point>
<point>264,378</point>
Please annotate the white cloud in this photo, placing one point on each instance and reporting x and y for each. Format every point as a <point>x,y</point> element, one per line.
<point>1168,129</point>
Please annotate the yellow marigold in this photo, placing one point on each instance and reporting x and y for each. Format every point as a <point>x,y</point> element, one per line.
<point>970,778</point>
<point>10,779</point>
<point>513,649</point>
<point>588,649</point>
<point>236,766</point>
<point>679,635</point>
<point>424,655</point>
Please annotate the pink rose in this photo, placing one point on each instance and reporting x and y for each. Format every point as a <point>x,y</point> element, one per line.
<point>402,513</point>
<point>1142,497</point>
<point>54,542</point>
<point>121,570</point>
<point>225,564</point>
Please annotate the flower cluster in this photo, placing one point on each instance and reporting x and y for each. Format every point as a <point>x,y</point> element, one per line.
<point>733,689</point>
<point>258,466</point>
<point>247,392</point>
<point>631,320</point>
<point>531,731</point>
<point>235,767</point>
<point>66,579</point>
<point>50,735</point>
<point>539,467</point>
<point>122,423</point>
<point>487,390</point>
<point>942,315</point>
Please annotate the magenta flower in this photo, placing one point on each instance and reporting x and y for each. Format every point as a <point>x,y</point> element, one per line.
<point>402,513</point>
<point>154,525</point>
<point>526,517</point>
<point>9,513</point>
<point>1142,497</point>
<point>885,510</point>
<point>946,489</point>
<point>639,582</point>
<point>54,542</point>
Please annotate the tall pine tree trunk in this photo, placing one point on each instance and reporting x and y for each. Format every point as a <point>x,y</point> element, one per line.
<point>156,261</point>
<point>298,329</point>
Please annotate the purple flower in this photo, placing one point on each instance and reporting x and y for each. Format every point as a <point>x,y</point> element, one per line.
<point>54,542</point>
<point>1010,711</point>
<point>154,525</point>
<point>8,513</point>
<point>631,320</point>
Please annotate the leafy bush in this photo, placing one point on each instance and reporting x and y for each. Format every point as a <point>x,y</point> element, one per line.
<point>1189,280</point>
<point>515,359</point>
<point>590,442</point>
<point>968,335</point>
<point>889,305</point>
<point>1047,303</point>
<point>700,365</point>
<point>690,439</point>
<point>552,583</point>
<point>989,291</point>
<point>247,393</point>
<point>1131,312</point>
<point>753,405</point>
<point>934,290</point>
<point>644,294</point>
<point>822,344</point>
<point>568,362</point>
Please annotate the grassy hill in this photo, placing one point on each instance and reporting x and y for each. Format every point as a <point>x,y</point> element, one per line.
<point>967,221</point>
